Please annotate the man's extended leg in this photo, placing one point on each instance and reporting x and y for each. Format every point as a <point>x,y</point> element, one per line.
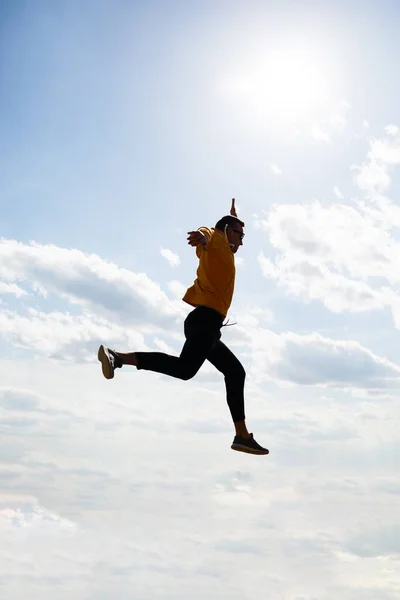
<point>202,330</point>
<point>226,362</point>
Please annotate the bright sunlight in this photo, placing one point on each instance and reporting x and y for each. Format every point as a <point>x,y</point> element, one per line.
<point>287,84</point>
<point>294,84</point>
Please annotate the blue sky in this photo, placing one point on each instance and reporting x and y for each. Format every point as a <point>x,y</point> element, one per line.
<point>123,125</point>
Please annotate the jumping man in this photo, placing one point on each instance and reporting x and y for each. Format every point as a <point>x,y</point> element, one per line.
<point>211,296</point>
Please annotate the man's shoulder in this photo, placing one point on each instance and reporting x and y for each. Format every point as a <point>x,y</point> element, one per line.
<point>208,231</point>
<point>211,232</point>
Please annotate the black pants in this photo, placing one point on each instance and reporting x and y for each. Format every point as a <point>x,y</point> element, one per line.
<point>203,341</point>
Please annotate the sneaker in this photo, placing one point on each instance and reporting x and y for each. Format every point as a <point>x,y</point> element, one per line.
<point>109,361</point>
<point>248,445</point>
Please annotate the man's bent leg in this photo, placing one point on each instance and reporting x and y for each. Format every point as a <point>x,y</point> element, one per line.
<point>202,330</point>
<point>201,334</point>
<point>183,367</point>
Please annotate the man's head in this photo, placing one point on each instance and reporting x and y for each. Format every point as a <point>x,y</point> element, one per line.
<point>233,227</point>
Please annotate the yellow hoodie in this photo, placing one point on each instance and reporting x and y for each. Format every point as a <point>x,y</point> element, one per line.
<point>215,280</point>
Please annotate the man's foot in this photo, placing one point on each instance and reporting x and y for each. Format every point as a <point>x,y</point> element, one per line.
<point>109,361</point>
<point>248,445</point>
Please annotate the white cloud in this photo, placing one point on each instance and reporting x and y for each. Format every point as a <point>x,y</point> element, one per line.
<point>12,288</point>
<point>386,151</point>
<point>379,542</point>
<point>177,288</point>
<point>392,130</point>
<point>249,315</point>
<point>127,553</point>
<point>318,134</point>
<point>64,336</point>
<point>94,284</point>
<point>313,280</point>
<point>76,514</point>
<point>317,361</point>
<point>162,346</point>
<point>332,125</point>
<point>275,169</point>
<point>342,255</point>
<point>17,512</point>
<point>373,176</point>
<point>172,258</point>
<point>337,192</point>
<point>338,121</point>
<point>239,261</point>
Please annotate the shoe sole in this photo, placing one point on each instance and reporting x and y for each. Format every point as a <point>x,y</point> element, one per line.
<point>104,358</point>
<point>247,450</point>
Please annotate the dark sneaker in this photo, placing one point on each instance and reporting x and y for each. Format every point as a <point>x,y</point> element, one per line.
<point>248,445</point>
<point>109,361</point>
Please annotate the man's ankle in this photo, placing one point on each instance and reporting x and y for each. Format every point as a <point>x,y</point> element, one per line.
<point>128,358</point>
<point>241,429</point>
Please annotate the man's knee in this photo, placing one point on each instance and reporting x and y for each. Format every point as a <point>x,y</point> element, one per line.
<point>241,373</point>
<point>187,373</point>
<point>238,374</point>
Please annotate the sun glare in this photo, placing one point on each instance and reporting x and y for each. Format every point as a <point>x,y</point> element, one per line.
<point>288,84</point>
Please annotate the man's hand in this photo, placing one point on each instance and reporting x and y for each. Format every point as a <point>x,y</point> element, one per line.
<point>233,209</point>
<point>195,238</point>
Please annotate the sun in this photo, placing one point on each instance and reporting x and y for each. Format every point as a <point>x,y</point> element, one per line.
<point>288,83</point>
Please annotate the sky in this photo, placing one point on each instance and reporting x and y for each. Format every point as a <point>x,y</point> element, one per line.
<point>124,125</point>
